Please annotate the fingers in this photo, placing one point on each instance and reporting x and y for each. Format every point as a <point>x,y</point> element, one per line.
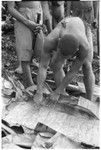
<point>37,29</point>
<point>54,96</point>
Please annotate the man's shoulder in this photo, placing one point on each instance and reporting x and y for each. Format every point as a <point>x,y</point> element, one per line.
<point>70,20</point>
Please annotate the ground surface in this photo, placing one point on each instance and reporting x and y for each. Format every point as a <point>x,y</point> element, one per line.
<point>10,63</point>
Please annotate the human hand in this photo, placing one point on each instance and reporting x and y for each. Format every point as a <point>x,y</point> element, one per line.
<point>38,98</point>
<point>34,27</point>
<point>44,29</point>
<point>54,96</point>
<point>37,29</point>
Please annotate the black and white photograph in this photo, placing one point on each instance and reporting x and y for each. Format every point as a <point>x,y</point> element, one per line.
<point>50,74</point>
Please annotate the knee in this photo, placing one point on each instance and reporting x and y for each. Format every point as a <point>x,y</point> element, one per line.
<point>87,68</point>
<point>87,65</point>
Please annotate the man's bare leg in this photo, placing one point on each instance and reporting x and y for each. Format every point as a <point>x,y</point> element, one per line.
<point>27,78</point>
<point>18,50</point>
<point>67,79</point>
<point>89,79</point>
<point>59,75</point>
<point>57,67</point>
<point>19,69</point>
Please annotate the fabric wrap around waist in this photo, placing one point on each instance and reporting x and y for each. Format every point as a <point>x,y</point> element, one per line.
<point>31,14</point>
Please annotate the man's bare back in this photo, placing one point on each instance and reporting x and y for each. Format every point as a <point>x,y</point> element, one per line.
<point>74,29</point>
<point>73,25</point>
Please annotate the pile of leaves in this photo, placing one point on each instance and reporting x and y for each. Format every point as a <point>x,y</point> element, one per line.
<point>22,125</point>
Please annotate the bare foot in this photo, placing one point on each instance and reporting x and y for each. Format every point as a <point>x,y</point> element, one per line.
<point>38,98</point>
<point>55,95</point>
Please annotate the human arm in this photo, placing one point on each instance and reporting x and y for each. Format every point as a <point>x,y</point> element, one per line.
<point>17,15</point>
<point>96,9</point>
<point>68,8</point>
<point>96,13</point>
<point>47,18</point>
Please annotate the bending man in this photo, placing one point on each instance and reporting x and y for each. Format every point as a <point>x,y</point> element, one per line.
<point>67,39</point>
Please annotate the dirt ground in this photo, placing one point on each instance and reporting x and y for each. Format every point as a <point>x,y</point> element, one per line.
<point>26,136</point>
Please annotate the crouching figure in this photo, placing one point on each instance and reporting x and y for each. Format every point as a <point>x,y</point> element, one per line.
<point>69,38</point>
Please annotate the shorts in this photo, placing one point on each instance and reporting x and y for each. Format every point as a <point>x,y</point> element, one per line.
<point>24,36</point>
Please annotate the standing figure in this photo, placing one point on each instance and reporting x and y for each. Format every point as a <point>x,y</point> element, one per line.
<point>26,26</point>
<point>57,8</point>
<point>47,17</point>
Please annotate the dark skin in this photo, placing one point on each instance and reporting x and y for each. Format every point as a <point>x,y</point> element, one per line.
<point>16,14</point>
<point>57,13</point>
<point>47,18</point>
<point>94,12</point>
<point>13,9</point>
<point>82,49</point>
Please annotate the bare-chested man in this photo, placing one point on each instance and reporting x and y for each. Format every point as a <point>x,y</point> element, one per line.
<point>67,39</point>
<point>57,12</point>
<point>53,13</point>
<point>25,13</point>
<point>47,17</point>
